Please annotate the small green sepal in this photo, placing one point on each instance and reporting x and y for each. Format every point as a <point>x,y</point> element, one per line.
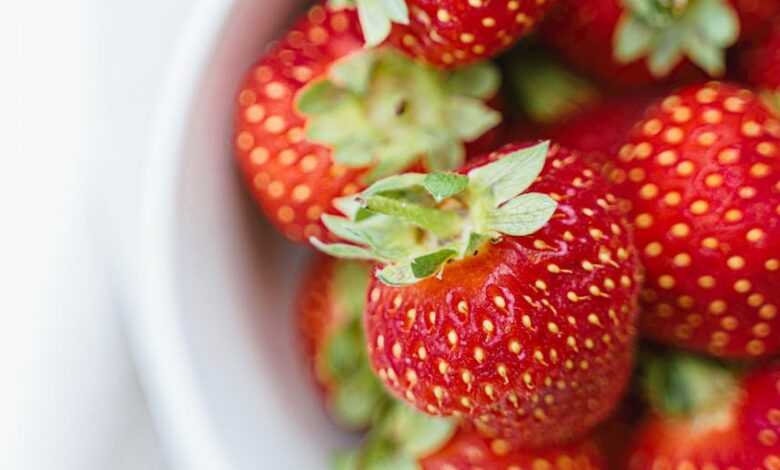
<point>376,16</point>
<point>522,215</point>
<point>415,224</point>
<point>430,264</point>
<point>511,175</point>
<point>444,185</point>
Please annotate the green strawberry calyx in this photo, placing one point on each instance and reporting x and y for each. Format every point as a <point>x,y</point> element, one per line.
<point>545,89</point>
<point>398,441</point>
<point>355,393</point>
<point>667,31</point>
<point>376,16</point>
<point>686,386</point>
<point>414,223</point>
<point>378,109</point>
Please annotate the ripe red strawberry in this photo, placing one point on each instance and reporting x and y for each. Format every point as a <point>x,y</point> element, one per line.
<point>320,117</point>
<point>468,450</point>
<point>407,439</point>
<point>619,35</point>
<point>513,310</point>
<point>710,419</point>
<point>330,308</point>
<point>700,174</point>
<point>449,33</point>
<point>761,65</point>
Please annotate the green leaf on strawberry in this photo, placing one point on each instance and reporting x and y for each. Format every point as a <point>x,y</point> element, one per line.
<point>376,16</point>
<point>382,110</point>
<point>666,32</point>
<point>429,220</point>
<point>398,440</point>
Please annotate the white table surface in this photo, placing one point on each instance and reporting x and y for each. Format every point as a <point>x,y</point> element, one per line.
<point>84,76</point>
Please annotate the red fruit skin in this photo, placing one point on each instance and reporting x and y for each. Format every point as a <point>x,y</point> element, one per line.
<point>318,318</point>
<point>293,180</point>
<point>700,176</point>
<point>589,25</point>
<point>469,451</point>
<point>611,436</point>
<point>453,33</point>
<point>748,439</point>
<point>755,15</point>
<point>599,131</point>
<point>532,338</point>
<point>761,62</point>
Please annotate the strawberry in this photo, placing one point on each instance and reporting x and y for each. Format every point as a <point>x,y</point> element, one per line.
<point>448,33</point>
<point>330,308</point>
<point>761,65</point>
<point>407,439</point>
<point>700,177</point>
<point>512,310</point>
<point>707,417</point>
<point>635,42</point>
<point>320,117</point>
<point>575,113</point>
<point>467,451</point>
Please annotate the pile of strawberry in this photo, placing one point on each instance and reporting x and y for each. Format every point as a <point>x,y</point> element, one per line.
<point>552,242</point>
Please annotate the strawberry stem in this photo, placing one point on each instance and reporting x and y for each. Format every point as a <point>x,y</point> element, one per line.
<point>545,89</point>
<point>456,213</point>
<point>667,31</point>
<point>441,223</point>
<point>682,384</point>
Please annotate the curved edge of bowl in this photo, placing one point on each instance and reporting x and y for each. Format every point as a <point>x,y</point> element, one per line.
<point>184,427</point>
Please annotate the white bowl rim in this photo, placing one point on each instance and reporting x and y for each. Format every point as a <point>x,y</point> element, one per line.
<point>178,406</point>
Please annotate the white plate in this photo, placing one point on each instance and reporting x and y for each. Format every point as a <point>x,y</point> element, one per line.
<point>212,331</point>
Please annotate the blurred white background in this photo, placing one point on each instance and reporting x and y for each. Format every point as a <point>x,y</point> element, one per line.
<point>75,99</point>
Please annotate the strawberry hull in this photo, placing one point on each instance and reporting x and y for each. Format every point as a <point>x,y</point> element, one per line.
<point>320,117</point>
<point>531,338</point>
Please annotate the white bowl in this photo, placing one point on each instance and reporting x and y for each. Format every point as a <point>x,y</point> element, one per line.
<point>213,332</point>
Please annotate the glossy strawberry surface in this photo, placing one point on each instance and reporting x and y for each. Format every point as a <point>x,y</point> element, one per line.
<point>468,451</point>
<point>532,337</point>
<point>700,174</point>
<point>745,434</point>
<point>452,33</point>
